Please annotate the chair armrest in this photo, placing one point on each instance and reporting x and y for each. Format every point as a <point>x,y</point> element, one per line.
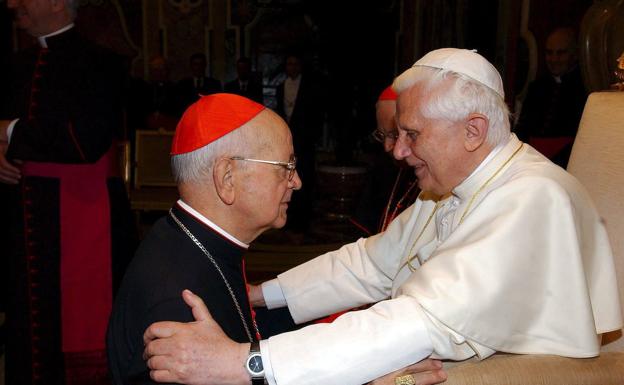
<point>607,369</point>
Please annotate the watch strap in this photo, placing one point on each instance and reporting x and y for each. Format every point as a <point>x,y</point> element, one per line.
<point>255,348</point>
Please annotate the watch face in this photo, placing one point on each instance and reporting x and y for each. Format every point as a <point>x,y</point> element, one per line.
<point>255,364</point>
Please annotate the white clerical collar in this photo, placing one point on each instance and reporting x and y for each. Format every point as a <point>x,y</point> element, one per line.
<point>490,156</point>
<point>42,39</point>
<point>211,224</point>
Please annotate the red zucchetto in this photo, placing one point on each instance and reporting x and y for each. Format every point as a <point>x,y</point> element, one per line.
<point>388,94</point>
<point>210,118</point>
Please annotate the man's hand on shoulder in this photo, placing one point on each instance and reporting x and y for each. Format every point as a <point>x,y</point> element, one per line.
<point>194,353</point>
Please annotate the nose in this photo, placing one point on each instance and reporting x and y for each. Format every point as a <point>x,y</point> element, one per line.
<point>401,150</point>
<point>295,183</point>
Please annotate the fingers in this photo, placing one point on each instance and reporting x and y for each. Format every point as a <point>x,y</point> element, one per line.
<point>162,376</point>
<point>428,364</point>
<point>426,372</point>
<point>8,172</point>
<point>160,347</point>
<point>429,377</point>
<point>159,330</point>
<point>200,311</point>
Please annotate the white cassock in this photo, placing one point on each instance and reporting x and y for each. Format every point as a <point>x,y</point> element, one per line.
<point>517,260</point>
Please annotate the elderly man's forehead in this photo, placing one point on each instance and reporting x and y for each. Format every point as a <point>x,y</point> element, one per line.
<point>420,93</point>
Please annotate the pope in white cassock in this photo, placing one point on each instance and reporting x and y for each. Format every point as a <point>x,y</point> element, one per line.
<point>503,251</point>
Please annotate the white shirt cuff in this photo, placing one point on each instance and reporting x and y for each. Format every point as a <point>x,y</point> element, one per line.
<point>10,129</point>
<point>266,362</point>
<point>273,294</point>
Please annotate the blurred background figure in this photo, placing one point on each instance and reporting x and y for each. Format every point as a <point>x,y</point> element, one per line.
<point>153,103</point>
<point>554,103</point>
<point>300,103</point>
<point>392,185</point>
<point>190,88</point>
<point>161,107</point>
<point>71,232</point>
<point>247,83</point>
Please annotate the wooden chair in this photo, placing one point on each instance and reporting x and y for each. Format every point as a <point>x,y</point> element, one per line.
<point>154,188</point>
<point>151,167</point>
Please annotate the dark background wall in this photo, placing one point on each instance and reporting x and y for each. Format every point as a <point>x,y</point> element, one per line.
<point>356,47</point>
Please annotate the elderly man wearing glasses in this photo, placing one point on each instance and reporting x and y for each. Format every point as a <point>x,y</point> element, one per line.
<point>234,165</point>
<point>393,186</point>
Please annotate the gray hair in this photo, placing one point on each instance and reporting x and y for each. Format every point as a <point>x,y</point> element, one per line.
<point>464,96</point>
<point>196,166</point>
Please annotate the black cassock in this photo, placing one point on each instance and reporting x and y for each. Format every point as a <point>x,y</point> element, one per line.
<point>72,233</point>
<point>166,263</point>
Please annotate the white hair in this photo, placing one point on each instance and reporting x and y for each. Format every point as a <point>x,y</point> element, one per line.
<point>196,166</point>
<point>462,97</point>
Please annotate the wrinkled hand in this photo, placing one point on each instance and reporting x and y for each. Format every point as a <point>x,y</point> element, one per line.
<point>196,352</point>
<point>256,298</point>
<point>425,372</point>
<point>9,173</point>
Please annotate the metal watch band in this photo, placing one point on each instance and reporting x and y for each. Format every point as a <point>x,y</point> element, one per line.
<point>255,348</point>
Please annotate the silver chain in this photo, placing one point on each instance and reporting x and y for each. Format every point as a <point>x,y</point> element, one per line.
<point>227,284</point>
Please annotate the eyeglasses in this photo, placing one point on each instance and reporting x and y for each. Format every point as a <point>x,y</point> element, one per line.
<point>382,136</point>
<point>289,166</point>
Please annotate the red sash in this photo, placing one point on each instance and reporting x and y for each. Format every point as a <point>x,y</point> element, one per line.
<point>85,244</point>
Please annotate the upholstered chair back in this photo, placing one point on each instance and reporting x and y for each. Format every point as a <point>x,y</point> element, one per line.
<point>597,160</point>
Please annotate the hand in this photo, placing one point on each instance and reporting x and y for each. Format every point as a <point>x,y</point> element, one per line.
<point>425,372</point>
<point>9,174</point>
<point>256,297</point>
<point>196,352</point>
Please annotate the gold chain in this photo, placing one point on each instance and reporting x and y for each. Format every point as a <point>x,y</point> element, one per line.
<point>487,182</point>
<point>409,260</point>
<point>472,199</point>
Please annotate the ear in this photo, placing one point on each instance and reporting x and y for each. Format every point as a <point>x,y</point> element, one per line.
<point>476,131</point>
<point>222,175</point>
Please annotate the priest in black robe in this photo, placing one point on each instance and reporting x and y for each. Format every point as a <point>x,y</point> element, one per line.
<point>69,217</point>
<point>236,174</point>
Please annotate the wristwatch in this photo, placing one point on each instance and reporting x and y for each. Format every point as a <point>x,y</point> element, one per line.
<point>254,365</point>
